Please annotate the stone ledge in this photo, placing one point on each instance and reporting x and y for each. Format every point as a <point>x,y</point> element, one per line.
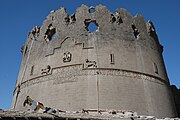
<point>93,71</point>
<point>77,115</point>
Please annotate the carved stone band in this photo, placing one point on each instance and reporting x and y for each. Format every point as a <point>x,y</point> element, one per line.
<point>78,70</point>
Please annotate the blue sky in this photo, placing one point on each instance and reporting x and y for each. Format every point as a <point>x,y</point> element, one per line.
<point>17,18</point>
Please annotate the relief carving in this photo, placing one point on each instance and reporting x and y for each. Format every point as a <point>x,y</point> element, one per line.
<point>46,70</point>
<point>66,77</point>
<point>90,64</point>
<point>67,57</point>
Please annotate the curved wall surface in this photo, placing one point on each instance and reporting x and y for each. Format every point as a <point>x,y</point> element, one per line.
<point>118,66</point>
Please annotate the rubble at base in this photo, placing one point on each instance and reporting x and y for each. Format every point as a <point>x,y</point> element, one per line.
<point>77,115</point>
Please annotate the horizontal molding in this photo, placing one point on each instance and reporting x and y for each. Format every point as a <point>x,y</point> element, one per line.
<point>80,71</point>
<point>53,51</point>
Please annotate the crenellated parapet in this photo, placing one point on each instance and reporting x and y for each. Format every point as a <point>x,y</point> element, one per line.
<point>119,65</point>
<point>59,25</point>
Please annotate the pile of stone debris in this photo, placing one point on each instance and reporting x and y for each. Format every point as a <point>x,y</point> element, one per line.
<point>77,115</point>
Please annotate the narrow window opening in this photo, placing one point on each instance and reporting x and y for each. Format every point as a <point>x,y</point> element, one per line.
<point>91,10</point>
<point>112,58</point>
<point>73,18</point>
<point>67,20</point>
<point>113,18</point>
<point>52,17</point>
<point>32,70</point>
<point>135,31</point>
<point>119,20</point>
<point>24,49</point>
<point>155,68</point>
<point>50,33</point>
<point>92,27</point>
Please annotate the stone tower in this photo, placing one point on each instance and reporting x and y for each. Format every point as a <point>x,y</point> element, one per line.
<point>118,66</point>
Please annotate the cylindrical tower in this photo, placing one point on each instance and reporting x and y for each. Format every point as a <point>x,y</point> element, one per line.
<point>118,66</point>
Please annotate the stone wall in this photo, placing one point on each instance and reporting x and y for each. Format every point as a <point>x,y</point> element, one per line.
<point>118,66</point>
<point>176,94</point>
<point>78,115</point>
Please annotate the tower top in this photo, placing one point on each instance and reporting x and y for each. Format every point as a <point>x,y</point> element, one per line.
<point>117,66</point>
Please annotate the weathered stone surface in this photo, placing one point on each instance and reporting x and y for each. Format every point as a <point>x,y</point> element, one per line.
<point>118,66</point>
<point>176,94</point>
<point>77,115</point>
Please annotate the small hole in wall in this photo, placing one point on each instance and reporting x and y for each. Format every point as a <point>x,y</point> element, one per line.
<point>92,27</point>
<point>50,34</point>
<point>91,10</point>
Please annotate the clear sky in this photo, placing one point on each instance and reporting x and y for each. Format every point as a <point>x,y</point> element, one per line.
<point>17,18</point>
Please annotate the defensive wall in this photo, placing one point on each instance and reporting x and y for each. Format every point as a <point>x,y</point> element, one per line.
<point>119,66</point>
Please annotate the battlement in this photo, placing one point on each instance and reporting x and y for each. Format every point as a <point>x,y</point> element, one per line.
<point>59,25</point>
<point>67,65</point>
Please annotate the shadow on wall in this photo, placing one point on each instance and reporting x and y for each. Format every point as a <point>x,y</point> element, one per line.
<point>176,94</point>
